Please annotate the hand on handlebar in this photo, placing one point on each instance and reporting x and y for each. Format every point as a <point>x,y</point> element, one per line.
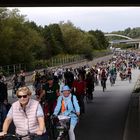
<point>39,132</point>
<point>2,133</point>
<point>78,113</point>
<point>53,116</point>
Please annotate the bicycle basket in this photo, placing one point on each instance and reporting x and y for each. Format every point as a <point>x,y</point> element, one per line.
<point>64,121</point>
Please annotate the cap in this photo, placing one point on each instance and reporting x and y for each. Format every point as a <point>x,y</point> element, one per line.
<point>65,88</point>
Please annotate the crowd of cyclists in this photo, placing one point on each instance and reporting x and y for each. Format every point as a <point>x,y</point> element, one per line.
<point>81,82</point>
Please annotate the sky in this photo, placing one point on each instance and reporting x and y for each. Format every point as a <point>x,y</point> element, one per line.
<point>106,19</point>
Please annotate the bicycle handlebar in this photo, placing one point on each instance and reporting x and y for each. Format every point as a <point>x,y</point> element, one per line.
<point>17,136</point>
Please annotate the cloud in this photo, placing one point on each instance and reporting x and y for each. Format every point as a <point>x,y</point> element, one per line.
<point>104,18</point>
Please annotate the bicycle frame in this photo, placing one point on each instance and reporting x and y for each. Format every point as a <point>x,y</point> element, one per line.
<point>103,83</point>
<point>61,129</point>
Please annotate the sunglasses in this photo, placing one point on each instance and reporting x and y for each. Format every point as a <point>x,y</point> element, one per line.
<point>20,96</point>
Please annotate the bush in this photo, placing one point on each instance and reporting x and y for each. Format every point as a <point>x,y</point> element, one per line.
<point>39,64</point>
<point>5,73</point>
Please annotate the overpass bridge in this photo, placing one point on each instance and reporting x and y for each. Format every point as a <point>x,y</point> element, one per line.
<point>127,40</point>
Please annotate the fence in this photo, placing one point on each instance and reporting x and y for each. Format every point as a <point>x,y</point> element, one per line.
<point>11,69</point>
<point>56,61</point>
<point>61,61</point>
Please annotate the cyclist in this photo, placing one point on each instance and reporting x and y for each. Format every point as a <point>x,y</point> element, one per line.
<point>103,77</point>
<point>66,107</point>
<point>112,73</point>
<point>22,78</point>
<point>79,88</point>
<point>129,73</point>
<point>69,77</point>
<point>90,85</point>
<point>50,91</point>
<point>2,78</point>
<point>16,84</point>
<point>26,114</point>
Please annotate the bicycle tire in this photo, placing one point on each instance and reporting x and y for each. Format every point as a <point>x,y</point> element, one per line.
<point>9,137</point>
<point>103,86</point>
<point>87,98</point>
<point>65,136</point>
<point>103,89</point>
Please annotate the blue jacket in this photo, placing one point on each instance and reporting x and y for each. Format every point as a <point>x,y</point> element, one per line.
<point>70,110</point>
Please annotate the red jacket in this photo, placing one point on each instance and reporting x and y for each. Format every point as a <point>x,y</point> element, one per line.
<point>80,87</point>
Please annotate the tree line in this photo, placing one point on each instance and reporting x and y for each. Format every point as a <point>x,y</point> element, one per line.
<point>23,41</point>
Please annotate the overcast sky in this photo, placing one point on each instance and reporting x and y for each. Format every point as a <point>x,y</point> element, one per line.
<point>106,19</point>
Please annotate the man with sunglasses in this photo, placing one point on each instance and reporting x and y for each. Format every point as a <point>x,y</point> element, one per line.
<point>27,115</point>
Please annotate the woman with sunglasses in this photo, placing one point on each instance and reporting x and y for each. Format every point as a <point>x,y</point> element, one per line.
<point>27,115</point>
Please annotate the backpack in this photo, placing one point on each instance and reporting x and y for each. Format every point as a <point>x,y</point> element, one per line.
<point>103,74</point>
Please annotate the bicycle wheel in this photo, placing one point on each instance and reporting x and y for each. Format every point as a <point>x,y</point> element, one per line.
<point>129,78</point>
<point>10,137</point>
<point>103,85</point>
<point>103,88</point>
<point>87,98</point>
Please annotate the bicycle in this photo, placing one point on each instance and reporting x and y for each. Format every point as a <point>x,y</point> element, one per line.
<point>14,89</point>
<point>62,125</point>
<point>112,80</point>
<point>89,95</point>
<point>50,127</point>
<point>103,83</point>
<point>129,77</point>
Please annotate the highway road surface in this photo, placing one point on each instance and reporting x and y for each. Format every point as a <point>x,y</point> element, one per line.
<point>106,115</point>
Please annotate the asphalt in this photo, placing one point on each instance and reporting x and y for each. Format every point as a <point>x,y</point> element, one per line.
<point>109,116</point>
<point>132,127</point>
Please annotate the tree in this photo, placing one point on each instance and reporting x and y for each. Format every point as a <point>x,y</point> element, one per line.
<point>50,46</point>
<point>93,39</point>
<point>17,39</point>
<point>58,37</point>
<point>76,40</point>
<point>103,43</point>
